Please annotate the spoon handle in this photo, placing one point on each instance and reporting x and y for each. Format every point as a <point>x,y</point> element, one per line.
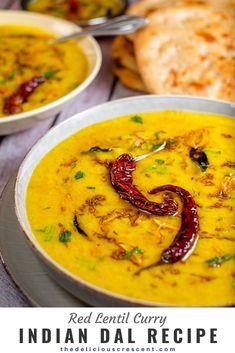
<point>116,26</point>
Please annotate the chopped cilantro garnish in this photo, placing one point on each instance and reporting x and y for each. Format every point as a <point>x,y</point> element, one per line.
<point>159,161</point>
<point>79,175</point>
<point>157,134</point>
<point>137,119</point>
<point>158,167</point>
<point>50,73</point>
<point>65,236</point>
<point>9,78</point>
<point>210,150</point>
<point>91,187</point>
<point>216,261</point>
<point>133,251</point>
<point>170,141</point>
<point>48,232</point>
<point>156,146</point>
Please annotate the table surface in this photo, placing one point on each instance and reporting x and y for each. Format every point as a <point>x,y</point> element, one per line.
<point>14,147</point>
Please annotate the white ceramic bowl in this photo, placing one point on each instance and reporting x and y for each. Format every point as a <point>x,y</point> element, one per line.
<point>80,288</point>
<point>59,28</point>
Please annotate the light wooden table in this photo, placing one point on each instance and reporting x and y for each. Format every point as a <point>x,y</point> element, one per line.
<point>13,148</point>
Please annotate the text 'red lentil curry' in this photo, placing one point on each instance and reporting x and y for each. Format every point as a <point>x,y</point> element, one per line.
<point>161,228</point>
<point>34,73</point>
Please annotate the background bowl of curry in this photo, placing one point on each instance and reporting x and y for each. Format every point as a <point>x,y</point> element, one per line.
<point>82,13</point>
<point>61,66</point>
<point>180,285</point>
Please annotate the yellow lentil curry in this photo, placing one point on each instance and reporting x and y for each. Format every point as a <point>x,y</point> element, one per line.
<point>77,9</point>
<point>83,224</point>
<point>25,55</point>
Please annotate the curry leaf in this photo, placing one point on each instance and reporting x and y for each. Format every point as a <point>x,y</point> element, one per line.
<point>199,157</point>
<point>98,149</point>
<point>78,227</point>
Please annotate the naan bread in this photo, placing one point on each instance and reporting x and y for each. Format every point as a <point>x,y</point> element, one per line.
<point>129,78</point>
<point>123,53</point>
<point>188,50</point>
<point>124,64</point>
<point>146,7</point>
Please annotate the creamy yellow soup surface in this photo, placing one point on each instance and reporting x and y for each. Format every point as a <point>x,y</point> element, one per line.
<point>25,54</point>
<point>73,182</point>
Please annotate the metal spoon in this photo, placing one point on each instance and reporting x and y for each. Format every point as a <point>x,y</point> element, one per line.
<point>116,26</point>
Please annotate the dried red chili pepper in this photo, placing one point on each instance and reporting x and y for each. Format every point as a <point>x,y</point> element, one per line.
<point>73,6</point>
<point>186,239</point>
<point>121,178</point>
<point>13,104</point>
